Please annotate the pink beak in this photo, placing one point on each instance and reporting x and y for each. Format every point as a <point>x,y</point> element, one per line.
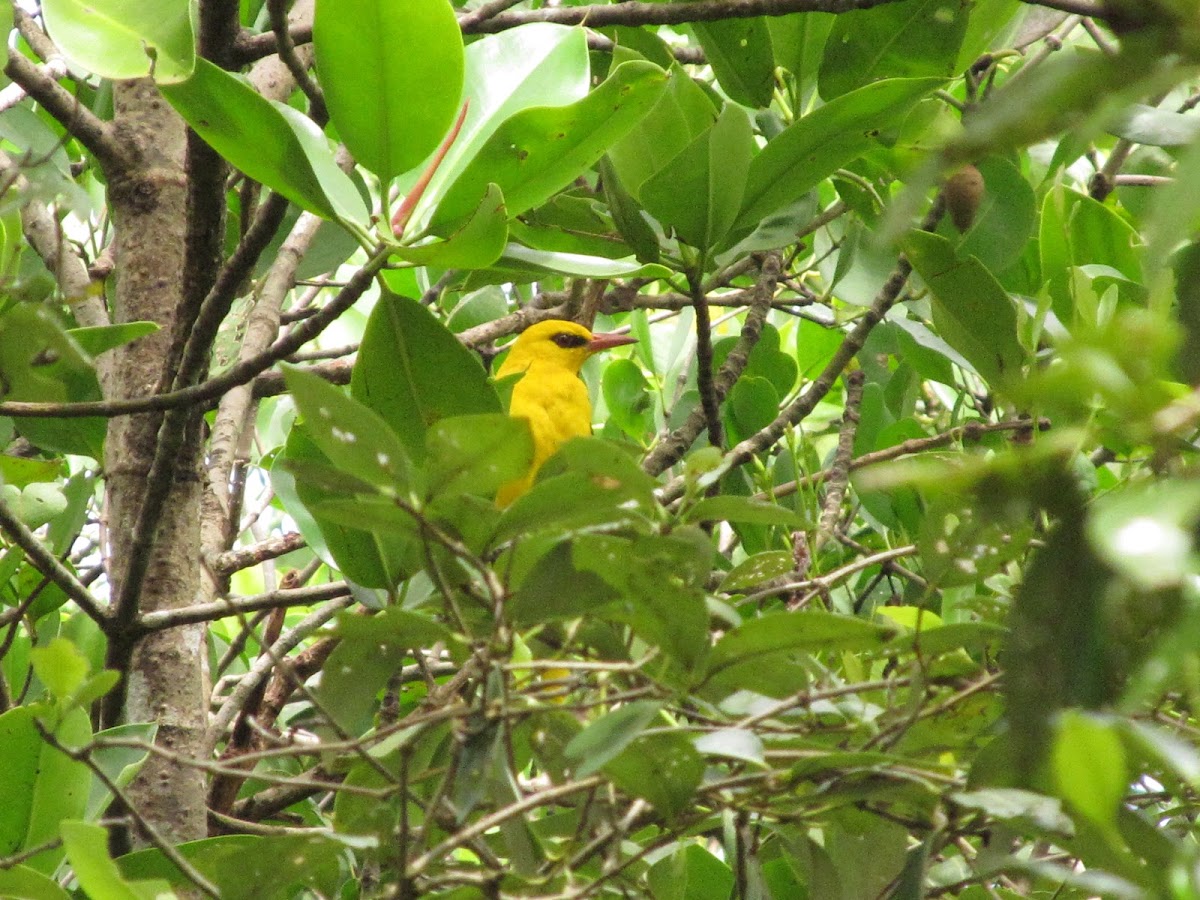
<point>608,341</point>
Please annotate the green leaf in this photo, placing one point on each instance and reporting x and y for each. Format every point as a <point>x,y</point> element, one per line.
<point>1090,768</point>
<point>61,667</point>
<point>533,65</point>
<point>354,552</point>
<point>392,75</point>
<point>87,849</point>
<point>521,261</point>
<point>738,659</point>
<point>664,769</point>
<point>741,56</point>
<point>122,39</point>
<point>476,245</point>
<point>477,454</point>
<point>691,873</point>
<point>259,138</point>
<point>732,743</point>
<point>731,508</point>
<point>40,362</point>
<point>539,151</point>
<point>25,883</point>
<point>628,398</point>
<point>369,652</point>
<point>970,309</point>
<point>1145,532</point>
<point>818,144</point>
<point>43,786</point>
<point>412,371</point>
<point>682,114</point>
<point>96,339</point>
<point>1016,805</point>
<point>912,39</point>
<point>699,192</point>
<point>555,589</point>
<point>758,568</point>
<point>354,438</point>
<point>603,739</point>
<point>1005,219</point>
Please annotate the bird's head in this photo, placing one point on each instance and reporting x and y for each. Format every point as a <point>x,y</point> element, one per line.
<point>557,343</point>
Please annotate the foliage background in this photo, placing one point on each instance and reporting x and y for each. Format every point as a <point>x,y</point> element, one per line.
<point>878,579</point>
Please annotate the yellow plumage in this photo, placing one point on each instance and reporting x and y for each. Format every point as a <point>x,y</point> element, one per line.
<point>550,395</point>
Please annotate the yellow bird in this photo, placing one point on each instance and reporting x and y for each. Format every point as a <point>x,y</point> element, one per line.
<point>551,395</point>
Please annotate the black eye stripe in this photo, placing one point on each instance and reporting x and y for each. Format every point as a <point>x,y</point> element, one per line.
<point>569,341</point>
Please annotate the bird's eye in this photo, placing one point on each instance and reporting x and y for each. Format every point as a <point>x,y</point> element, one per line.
<point>569,341</point>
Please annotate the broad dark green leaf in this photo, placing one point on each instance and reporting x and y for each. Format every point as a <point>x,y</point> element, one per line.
<point>353,551</point>
<point>603,739</point>
<point>369,652</point>
<point>125,38</point>
<point>556,589</point>
<point>970,308</point>
<point>663,769</point>
<point>818,144</point>
<point>731,508</point>
<point>41,362</point>
<point>682,114</point>
<point>699,192</point>
<point>250,867</point>
<point>269,145</point>
<point>99,338</point>
<point>534,65</point>
<point>392,75</point>
<point>412,371</point>
<point>1006,216</point>
<point>476,245</point>
<point>912,39</point>
<point>477,454</point>
<point>354,438</point>
<point>741,56</point>
<point>45,786</point>
<point>86,846</point>
<point>690,873</point>
<point>738,658</point>
<point>540,151</point>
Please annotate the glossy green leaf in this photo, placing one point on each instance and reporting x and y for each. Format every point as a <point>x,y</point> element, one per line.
<point>738,658</point>
<point>98,875</point>
<point>353,551</point>
<point>1090,767</point>
<point>682,114</point>
<point>731,508</point>
<point>354,438</point>
<point>256,136</point>
<point>1006,216</point>
<point>369,652</point>
<point>60,666</point>
<point>691,873</point>
<point>523,261</point>
<point>533,65</point>
<point>28,884</point>
<point>477,454</point>
<point>912,39</point>
<point>46,785</point>
<point>40,362</point>
<point>392,73</point>
<point>412,371</point>
<point>476,245</point>
<point>818,144</point>
<point>540,151</point>
<point>699,192</point>
<point>556,589</point>
<point>799,44</point>
<point>125,38</point>
<point>741,56</point>
<point>250,867</point>
<point>758,568</point>
<point>628,398</point>
<point>970,309</point>
<point>627,214</point>
<point>603,739</point>
<point>663,769</point>
<point>97,339</point>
